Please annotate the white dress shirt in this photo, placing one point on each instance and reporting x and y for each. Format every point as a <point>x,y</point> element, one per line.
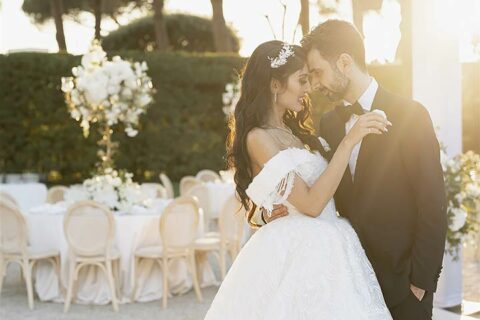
<point>365,101</point>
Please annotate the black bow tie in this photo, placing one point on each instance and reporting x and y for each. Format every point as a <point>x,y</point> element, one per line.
<point>346,112</point>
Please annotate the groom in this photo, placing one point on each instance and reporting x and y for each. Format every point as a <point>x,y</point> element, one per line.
<point>393,191</point>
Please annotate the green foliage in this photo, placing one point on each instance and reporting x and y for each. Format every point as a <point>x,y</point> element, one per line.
<point>186,32</point>
<point>184,130</point>
<point>40,11</point>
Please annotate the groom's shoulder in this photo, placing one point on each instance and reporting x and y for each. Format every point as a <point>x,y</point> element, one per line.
<point>402,105</point>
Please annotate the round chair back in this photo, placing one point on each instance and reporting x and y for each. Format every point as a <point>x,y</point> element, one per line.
<point>89,228</point>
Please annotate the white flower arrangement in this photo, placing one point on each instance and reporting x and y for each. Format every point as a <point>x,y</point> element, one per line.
<point>114,189</point>
<point>101,90</point>
<point>462,183</point>
<point>230,97</point>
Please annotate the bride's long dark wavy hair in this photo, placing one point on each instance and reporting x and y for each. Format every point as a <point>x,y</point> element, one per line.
<point>253,107</point>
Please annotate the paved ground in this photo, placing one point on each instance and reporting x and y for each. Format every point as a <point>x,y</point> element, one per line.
<point>13,304</point>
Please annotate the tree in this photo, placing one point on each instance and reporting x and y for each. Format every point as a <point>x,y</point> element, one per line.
<point>219,28</point>
<point>359,7</point>
<point>304,18</point>
<point>161,35</point>
<point>41,10</point>
<point>56,7</point>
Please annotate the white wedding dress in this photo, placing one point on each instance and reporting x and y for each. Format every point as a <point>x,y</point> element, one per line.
<point>298,267</point>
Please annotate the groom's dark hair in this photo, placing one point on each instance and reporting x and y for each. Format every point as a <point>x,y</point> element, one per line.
<point>334,37</point>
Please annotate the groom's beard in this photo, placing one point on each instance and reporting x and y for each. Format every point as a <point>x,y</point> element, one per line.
<point>340,87</point>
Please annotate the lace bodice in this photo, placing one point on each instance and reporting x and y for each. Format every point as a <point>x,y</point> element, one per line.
<point>273,184</point>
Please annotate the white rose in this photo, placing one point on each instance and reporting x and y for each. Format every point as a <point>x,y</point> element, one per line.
<point>473,190</point>
<point>459,197</point>
<point>226,98</point>
<point>95,57</point>
<point>131,132</point>
<point>458,220</point>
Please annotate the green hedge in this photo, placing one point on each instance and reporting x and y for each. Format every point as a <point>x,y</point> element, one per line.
<point>182,132</point>
<point>185,33</point>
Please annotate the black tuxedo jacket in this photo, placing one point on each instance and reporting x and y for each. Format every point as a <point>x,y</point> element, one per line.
<point>396,202</point>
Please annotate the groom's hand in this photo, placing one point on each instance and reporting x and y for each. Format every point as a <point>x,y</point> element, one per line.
<point>279,210</point>
<point>419,293</point>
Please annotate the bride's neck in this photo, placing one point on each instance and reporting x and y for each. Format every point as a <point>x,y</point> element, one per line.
<point>275,117</point>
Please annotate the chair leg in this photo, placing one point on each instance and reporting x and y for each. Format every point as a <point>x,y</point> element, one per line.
<point>116,277</point>
<point>165,282</point>
<point>58,272</point>
<point>3,268</point>
<point>201,258</point>
<point>223,263</point>
<point>193,269</point>
<point>111,283</point>
<point>71,280</point>
<point>137,286</point>
<point>27,273</point>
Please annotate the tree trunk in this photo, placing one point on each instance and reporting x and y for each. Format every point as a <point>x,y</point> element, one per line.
<point>97,9</point>
<point>161,35</point>
<point>358,11</point>
<point>57,11</point>
<point>404,49</point>
<point>219,28</point>
<point>304,19</point>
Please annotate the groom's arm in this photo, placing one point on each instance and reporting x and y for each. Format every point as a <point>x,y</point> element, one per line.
<point>421,155</point>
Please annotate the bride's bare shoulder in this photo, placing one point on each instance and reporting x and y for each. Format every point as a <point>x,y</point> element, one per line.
<point>261,146</point>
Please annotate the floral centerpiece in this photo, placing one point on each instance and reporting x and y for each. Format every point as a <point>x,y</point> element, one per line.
<point>115,189</point>
<point>462,183</point>
<point>230,98</point>
<point>107,92</point>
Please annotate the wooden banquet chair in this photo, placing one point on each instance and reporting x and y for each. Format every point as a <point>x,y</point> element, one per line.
<point>14,247</point>
<point>178,231</point>
<point>89,228</point>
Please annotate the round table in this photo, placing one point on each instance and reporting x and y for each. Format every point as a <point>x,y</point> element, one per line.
<point>28,195</point>
<point>218,193</point>
<point>133,231</point>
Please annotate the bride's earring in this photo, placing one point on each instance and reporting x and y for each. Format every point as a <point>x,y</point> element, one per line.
<point>275,97</point>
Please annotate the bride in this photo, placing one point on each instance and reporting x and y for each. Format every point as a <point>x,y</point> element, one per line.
<point>309,264</point>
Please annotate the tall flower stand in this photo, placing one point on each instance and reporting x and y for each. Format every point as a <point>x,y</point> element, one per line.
<point>449,288</point>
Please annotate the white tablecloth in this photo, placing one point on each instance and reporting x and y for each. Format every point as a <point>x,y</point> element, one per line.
<point>218,192</point>
<point>132,232</point>
<point>28,195</point>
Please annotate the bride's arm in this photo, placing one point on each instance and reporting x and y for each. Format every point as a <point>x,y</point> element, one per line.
<point>312,200</point>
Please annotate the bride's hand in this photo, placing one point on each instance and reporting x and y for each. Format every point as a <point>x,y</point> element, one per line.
<point>368,123</point>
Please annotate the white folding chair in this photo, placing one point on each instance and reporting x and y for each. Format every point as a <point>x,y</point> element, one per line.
<point>201,194</point>
<point>208,175</point>
<point>90,232</point>
<point>168,185</point>
<point>7,197</point>
<point>157,189</point>
<point>231,225</point>
<point>188,182</point>
<point>56,194</point>
<point>14,247</point>
<point>178,230</point>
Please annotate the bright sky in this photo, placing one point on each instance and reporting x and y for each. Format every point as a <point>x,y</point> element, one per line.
<point>17,33</point>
